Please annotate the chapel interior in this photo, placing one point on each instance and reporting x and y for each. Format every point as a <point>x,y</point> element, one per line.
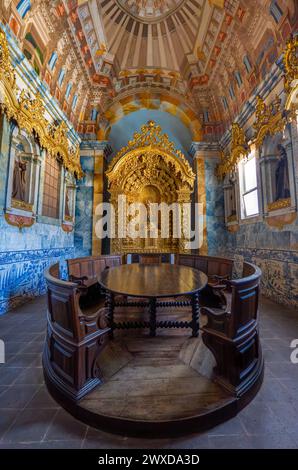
<point>155,338</point>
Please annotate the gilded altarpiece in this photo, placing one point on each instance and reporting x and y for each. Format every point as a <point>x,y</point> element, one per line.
<point>150,170</point>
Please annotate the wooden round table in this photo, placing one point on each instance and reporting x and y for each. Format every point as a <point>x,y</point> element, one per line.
<point>153,282</point>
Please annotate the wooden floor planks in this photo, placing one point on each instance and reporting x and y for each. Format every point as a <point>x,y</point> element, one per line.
<point>151,379</point>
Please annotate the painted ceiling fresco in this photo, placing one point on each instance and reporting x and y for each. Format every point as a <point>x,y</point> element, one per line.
<point>197,59</point>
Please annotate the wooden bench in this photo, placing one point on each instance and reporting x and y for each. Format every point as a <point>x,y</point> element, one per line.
<point>150,258</point>
<point>77,335</point>
<point>86,270</point>
<point>231,331</point>
<point>218,270</point>
<point>232,335</point>
<point>75,338</point>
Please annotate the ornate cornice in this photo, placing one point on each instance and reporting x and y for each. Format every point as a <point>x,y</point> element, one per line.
<point>269,120</point>
<point>29,115</point>
<point>239,149</point>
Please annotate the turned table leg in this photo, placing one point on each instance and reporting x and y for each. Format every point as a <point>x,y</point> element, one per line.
<point>195,314</point>
<point>110,304</point>
<point>152,310</point>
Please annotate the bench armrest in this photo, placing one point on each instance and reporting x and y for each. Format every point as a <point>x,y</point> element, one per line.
<point>78,280</point>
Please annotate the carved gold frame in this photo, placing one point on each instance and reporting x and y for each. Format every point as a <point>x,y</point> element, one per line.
<point>150,159</point>
<point>29,115</point>
<point>269,120</point>
<point>239,149</point>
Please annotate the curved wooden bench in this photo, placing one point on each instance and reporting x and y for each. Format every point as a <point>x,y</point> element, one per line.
<point>75,338</point>
<point>78,334</point>
<point>150,258</point>
<point>85,270</point>
<point>217,269</point>
<point>231,332</point>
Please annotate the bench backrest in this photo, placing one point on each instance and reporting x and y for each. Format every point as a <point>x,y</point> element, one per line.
<point>92,266</point>
<point>63,304</point>
<point>245,299</point>
<point>150,258</point>
<point>209,265</point>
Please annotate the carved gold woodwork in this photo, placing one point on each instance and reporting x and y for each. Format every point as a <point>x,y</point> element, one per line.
<point>29,115</point>
<point>269,120</point>
<point>21,205</point>
<point>150,169</point>
<point>291,75</point>
<point>280,204</point>
<point>232,218</point>
<point>239,149</point>
<point>6,69</point>
<point>290,61</point>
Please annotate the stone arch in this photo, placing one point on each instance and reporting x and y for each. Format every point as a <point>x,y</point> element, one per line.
<point>174,105</point>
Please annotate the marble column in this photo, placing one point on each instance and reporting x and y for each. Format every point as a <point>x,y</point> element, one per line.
<point>98,192</point>
<point>90,193</point>
<point>209,194</point>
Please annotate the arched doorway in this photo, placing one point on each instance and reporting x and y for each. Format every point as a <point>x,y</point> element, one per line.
<point>150,170</point>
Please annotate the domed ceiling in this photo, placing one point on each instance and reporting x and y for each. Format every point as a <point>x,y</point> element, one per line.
<point>197,59</point>
<point>150,10</point>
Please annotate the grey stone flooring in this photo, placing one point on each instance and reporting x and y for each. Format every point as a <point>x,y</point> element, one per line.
<point>29,418</point>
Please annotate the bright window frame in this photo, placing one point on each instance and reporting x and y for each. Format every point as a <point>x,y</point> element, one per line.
<point>243,187</point>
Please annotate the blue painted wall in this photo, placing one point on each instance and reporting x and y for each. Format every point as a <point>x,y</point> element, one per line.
<point>25,254</point>
<point>122,131</point>
<point>275,252</point>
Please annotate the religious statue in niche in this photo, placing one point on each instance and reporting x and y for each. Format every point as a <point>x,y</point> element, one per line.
<point>68,212</point>
<point>19,181</point>
<point>232,197</point>
<point>282,175</point>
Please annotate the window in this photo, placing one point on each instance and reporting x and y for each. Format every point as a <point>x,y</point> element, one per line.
<point>248,187</point>
<point>231,91</point>
<point>238,79</point>
<point>276,11</point>
<point>23,7</point>
<point>206,116</point>
<point>225,102</point>
<point>247,64</point>
<point>74,102</point>
<point>93,115</point>
<point>68,90</point>
<point>51,191</point>
<point>53,61</point>
<point>61,77</point>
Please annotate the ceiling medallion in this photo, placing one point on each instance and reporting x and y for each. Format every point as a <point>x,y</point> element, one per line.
<point>148,11</point>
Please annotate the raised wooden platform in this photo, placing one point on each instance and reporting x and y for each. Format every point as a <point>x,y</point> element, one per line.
<point>156,386</point>
<point>137,385</point>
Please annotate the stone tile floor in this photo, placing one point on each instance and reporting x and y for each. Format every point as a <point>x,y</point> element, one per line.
<point>29,418</point>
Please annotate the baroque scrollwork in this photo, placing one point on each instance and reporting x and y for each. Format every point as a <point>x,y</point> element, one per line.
<point>29,114</point>
<point>291,63</point>
<point>150,169</point>
<point>239,149</point>
<point>6,69</point>
<point>151,141</point>
<point>269,120</point>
